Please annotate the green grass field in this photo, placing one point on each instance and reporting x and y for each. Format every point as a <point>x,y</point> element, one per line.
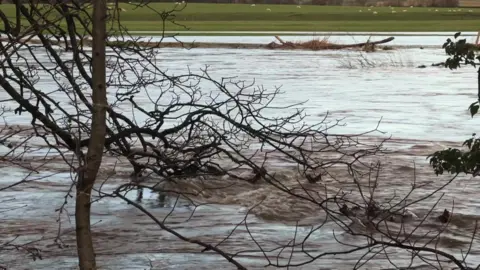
<point>238,17</point>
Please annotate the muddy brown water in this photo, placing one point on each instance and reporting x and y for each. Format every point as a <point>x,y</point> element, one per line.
<point>126,239</point>
<point>424,111</point>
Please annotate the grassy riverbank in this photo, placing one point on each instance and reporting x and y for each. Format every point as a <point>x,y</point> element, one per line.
<point>238,17</point>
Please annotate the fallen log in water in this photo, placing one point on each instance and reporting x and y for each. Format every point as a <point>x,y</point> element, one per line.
<point>313,45</point>
<point>383,41</point>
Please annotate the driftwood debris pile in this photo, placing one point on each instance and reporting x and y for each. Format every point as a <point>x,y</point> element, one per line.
<point>324,44</point>
<point>312,45</point>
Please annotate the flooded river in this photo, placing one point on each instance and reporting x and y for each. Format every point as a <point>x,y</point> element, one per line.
<point>422,109</point>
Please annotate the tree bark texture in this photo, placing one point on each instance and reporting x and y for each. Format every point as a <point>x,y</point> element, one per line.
<point>93,159</point>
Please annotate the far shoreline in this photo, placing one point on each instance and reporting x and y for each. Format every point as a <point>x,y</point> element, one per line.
<point>302,33</point>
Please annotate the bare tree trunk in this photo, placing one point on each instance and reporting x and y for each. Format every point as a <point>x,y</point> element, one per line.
<point>88,173</point>
<point>18,20</point>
